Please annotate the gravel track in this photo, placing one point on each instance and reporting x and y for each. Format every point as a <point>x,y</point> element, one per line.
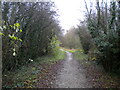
<point>71,74</point>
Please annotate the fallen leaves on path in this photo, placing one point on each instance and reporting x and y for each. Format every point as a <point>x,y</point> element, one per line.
<point>99,78</point>
<point>48,75</point>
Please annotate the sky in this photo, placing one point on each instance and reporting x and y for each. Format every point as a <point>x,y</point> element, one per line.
<point>70,12</point>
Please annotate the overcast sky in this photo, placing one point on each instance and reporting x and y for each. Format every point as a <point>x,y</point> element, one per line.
<point>70,11</point>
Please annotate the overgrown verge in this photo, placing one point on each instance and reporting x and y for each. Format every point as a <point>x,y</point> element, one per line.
<point>27,34</point>
<point>95,73</point>
<point>69,50</point>
<point>100,34</point>
<point>27,76</point>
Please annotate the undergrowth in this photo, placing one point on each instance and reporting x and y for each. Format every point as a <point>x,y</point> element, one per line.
<point>26,76</point>
<point>79,55</point>
<point>95,72</point>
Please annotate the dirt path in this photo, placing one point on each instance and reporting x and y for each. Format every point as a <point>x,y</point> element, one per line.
<point>71,74</point>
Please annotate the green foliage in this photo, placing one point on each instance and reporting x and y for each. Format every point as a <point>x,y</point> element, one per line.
<point>70,37</point>
<point>85,38</point>
<point>1,34</point>
<point>12,35</point>
<point>27,76</point>
<point>14,38</point>
<point>11,42</point>
<point>27,32</point>
<point>106,38</point>
<point>17,24</point>
<point>80,55</point>
<point>54,45</point>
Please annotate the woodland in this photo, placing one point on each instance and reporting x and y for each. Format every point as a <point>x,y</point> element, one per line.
<point>31,32</point>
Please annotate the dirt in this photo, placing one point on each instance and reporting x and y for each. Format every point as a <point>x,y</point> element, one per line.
<point>48,75</point>
<point>71,75</point>
<point>99,78</point>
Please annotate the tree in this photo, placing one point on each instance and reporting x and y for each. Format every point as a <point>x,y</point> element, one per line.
<point>85,37</point>
<point>105,34</point>
<point>71,39</point>
<point>38,26</point>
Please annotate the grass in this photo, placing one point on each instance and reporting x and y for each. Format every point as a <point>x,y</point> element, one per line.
<point>69,50</point>
<point>78,54</point>
<point>51,58</point>
<point>26,76</point>
<point>81,57</point>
